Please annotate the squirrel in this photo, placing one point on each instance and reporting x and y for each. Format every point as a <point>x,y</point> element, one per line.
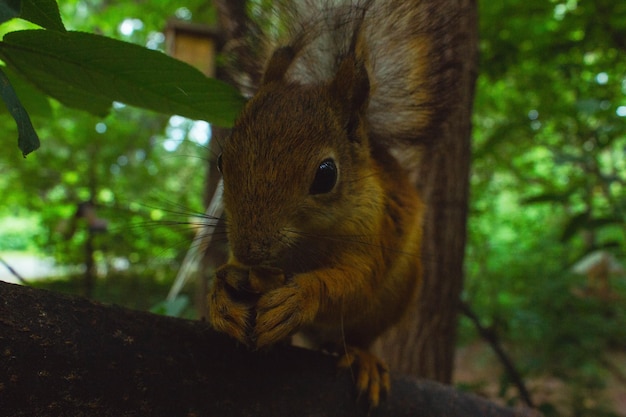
<point>323,222</point>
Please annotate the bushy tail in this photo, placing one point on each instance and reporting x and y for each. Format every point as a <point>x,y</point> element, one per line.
<point>407,49</point>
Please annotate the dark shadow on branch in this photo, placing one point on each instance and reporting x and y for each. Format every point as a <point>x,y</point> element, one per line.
<point>68,356</point>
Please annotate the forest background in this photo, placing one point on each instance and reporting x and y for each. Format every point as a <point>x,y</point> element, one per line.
<point>548,194</point>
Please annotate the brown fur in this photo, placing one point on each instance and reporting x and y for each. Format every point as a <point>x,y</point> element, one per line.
<point>339,266</point>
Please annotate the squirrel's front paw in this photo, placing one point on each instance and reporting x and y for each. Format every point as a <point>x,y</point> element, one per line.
<point>231,303</point>
<point>371,374</point>
<point>233,298</point>
<point>283,311</point>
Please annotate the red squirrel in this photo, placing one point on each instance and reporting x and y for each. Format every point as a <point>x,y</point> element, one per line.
<point>323,223</point>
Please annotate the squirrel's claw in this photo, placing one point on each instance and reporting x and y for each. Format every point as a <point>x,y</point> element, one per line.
<point>372,374</point>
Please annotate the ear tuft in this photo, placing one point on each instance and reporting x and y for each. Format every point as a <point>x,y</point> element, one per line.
<point>278,64</point>
<point>351,88</point>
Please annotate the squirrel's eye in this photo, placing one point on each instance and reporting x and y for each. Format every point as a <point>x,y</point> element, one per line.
<point>219,162</point>
<point>325,177</point>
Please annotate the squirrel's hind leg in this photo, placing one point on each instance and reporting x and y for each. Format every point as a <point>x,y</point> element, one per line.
<point>371,374</point>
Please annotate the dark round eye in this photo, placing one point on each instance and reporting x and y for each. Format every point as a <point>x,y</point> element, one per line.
<point>219,162</point>
<point>325,177</point>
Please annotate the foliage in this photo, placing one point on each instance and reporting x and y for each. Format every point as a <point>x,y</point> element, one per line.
<point>549,185</point>
<point>89,72</point>
<point>18,231</point>
<point>144,172</point>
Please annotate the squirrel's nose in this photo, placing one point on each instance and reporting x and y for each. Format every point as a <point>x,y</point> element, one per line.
<point>251,253</point>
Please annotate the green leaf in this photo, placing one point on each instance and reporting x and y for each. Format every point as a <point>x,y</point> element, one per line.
<point>54,77</point>
<point>9,9</point>
<point>35,102</point>
<point>88,71</point>
<point>27,137</point>
<point>44,13</point>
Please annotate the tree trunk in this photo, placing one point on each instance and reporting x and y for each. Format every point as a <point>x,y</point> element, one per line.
<point>66,356</point>
<point>424,343</point>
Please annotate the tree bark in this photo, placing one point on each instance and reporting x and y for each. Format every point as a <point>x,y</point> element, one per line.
<point>66,356</point>
<point>242,65</point>
<point>424,343</point>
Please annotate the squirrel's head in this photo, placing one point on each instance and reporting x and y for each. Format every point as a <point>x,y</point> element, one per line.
<point>296,165</point>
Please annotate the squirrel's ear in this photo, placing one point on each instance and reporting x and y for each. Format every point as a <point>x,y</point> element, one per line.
<point>351,87</point>
<point>279,64</point>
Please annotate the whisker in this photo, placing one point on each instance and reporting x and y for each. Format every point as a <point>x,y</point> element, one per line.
<point>365,240</point>
<point>177,209</point>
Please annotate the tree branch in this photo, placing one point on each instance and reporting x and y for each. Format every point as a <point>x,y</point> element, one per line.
<point>491,337</point>
<point>62,355</point>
